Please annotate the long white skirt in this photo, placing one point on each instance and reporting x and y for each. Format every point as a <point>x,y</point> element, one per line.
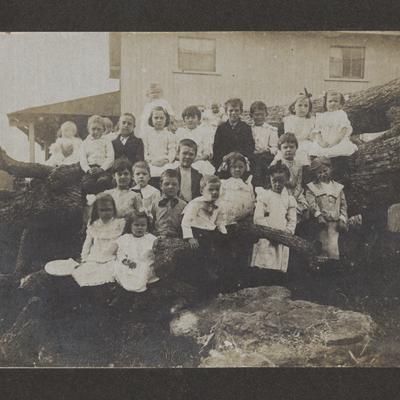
<point>93,273</point>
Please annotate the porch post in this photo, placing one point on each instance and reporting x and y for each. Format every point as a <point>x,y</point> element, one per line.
<point>32,143</point>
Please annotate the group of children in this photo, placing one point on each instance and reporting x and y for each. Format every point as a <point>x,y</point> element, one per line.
<point>206,182</point>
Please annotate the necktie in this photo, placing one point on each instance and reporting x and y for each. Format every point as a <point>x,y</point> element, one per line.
<point>164,201</point>
<point>138,191</point>
<point>209,207</point>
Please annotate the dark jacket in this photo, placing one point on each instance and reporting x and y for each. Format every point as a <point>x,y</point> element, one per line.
<point>133,149</point>
<point>195,177</point>
<point>228,139</point>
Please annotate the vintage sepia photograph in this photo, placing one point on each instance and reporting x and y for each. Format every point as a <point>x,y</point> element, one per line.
<point>200,199</point>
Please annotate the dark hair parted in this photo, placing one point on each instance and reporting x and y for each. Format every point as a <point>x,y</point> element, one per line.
<point>170,173</point>
<point>134,216</point>
<point>330,93</point>
<point>288,138</point>
<point>101,198</point>
<point>235,102</point>
<point>258,106</point>
<point>167,117</point>
<point>120,165</point>
<point>191,111</point>
<point>189,143</point>
<point>279,168</point>
<point>206,179</point>
<point>298,98</point>
<point>233,157</point>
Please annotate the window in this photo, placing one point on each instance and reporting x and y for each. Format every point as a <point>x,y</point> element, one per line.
<point>347,62</point>
<point>196,54</point>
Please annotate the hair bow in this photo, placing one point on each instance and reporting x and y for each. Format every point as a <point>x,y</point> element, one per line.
<point>306,93</point>
<point>224,165</point>
<point>90,199</point>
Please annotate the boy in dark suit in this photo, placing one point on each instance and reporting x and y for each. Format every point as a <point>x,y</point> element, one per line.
<point>189,177</point>
<point>127,144</point>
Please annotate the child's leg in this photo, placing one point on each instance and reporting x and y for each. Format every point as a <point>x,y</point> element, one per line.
<point>103,181</point>
<point>89,184</point>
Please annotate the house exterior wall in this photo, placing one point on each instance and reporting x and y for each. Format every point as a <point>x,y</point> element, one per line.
<point>269,66</point>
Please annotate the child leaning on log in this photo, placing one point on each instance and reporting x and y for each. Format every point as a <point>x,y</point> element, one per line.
<point>203,224</point>
<point>328,205</point>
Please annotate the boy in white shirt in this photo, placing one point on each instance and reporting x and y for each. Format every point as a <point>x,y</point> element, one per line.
<point>96,158</point>
<point>266,142</point>
<point>202,225</point>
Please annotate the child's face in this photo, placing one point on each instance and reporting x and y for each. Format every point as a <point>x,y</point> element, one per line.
<point>215,108</point>
<point>96,130</point>
<point>302,107</point>
<point>259,117</point>
<point>159,119</point>
<point>141,177</point>
<point>126,125</point>
<point>192,121</point>
<point>155,94</point>
<point>105,210</point>
<point>278,182</point>
<point>234,113</point>
<point>211,191</point>
<point>187,156</point>
<point>123,178</point>
<point>288,151</point>
<point>324,175</point>
<point>170,187</point>
<point>237,169</point>
<point>333,102</point>
<point>67,133</point>
<point>139,227</point>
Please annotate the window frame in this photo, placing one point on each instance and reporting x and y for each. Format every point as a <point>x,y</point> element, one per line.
<point>346,78</point>
<point>196,72</point>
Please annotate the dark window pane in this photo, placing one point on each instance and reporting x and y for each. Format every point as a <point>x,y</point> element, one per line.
<point>196,55</point>
<point>346,68</point>
<point>346,53</point>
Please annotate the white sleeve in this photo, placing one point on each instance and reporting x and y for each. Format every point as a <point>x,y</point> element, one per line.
<point>83,158</point>
<point>87,245</point>
<point>109,156</point>
<point>188,217</point>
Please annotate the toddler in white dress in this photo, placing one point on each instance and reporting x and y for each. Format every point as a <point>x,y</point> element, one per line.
<point>332,129</point>
<point>134,269</point>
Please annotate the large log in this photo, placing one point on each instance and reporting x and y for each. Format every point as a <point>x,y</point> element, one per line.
<point>367,109</point>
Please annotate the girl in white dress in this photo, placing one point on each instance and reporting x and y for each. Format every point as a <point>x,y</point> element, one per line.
<point>236,196</point>
<point>192,117</point>
<point>332,129</point>
<point>301,124</point>
<point>159,143</point>
<point>275,209</point>
<point>237,200</point>
<point>125,199</point>
<point>65,151</point>
<point>154,93</point>
<point>99,252</point>
<point>134,269</point>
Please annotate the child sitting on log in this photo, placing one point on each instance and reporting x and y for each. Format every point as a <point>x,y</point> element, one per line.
<point>202,225</point>
<point>141,176</point>
<point>65,151</point>
<point>266,142</point>
<point>96,159</point>
<point>126,200</point>
<point>192,117</point>
<point>190,177</point>
<point>288,146</point>
<point>167,209</point>
<point>328,205</point>
<point>134,269</point>
<point>99,252</point>
<point>275,208</point>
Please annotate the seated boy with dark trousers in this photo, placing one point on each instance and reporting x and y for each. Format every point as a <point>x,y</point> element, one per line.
<point>167,210</point>
<point>190,177</point>
<point>203,226</point>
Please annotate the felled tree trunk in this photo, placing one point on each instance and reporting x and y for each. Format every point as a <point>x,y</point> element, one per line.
<point>366,109</point>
